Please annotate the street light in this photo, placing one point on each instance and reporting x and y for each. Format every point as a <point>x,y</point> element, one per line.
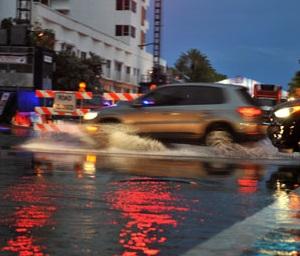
<point>82,86</point>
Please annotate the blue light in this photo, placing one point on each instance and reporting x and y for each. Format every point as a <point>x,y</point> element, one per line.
<point>4,129</point>
<point>148,102</point>
<point>27,101</point>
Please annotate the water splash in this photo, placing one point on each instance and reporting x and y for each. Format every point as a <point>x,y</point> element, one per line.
<point>261,149</point>
<point>123,139</point>
<point>107,137</point>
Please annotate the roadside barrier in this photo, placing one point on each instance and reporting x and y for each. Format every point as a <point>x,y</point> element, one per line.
<point>52,111</point>
<point>64,104</point>
<point>51,94</point>
<point>113,96</point>
<point>47,127</point>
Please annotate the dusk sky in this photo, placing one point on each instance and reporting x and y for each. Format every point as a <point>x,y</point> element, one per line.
<point>257,39</point>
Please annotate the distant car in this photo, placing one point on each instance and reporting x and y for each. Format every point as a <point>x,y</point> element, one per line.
<point>267,106</point>
<point>208,113</point>
<point>96,103</point>
<point>284,130</point>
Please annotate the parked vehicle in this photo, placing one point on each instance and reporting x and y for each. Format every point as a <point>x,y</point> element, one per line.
<point>96,103</point>
<point>210,113</point>
<point>267,96</point>
<point>284,130</point>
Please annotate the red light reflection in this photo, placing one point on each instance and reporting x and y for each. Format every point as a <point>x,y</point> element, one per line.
<point>24,245</point>
<point>28,217</point>
<point>147,206</point>
<point>249,182</point>
<point>247,185</point>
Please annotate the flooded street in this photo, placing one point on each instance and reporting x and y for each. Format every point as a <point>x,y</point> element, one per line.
<point>60,196</point>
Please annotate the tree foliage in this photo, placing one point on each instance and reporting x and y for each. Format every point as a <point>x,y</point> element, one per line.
<point>71,70</point>
<point>42,37</point>
<point>196,67</point>
<point>295,83</point>
<point>36,34</point>
<point>7,23</point>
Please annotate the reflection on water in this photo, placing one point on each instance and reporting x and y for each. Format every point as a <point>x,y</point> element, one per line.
<point>248,174</point>
<point>150,206</point>
<point>286,178</point>
<point>249,180</point>
<point>149,200</point>
<point>284,239</point>
<point>34,211</point>
<point>149,209</point>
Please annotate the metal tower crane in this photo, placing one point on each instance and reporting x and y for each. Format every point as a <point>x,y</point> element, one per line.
<point>157,74</point>
<point>23,12</point>
<point>157,32</point>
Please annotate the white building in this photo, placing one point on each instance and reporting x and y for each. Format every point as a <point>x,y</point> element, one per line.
<point>112,29</point>
<point>242,81</point>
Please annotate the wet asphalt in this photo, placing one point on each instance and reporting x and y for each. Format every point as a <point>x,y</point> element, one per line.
<point>55,201</point>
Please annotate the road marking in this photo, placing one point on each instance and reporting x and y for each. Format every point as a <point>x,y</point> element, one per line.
<point>242,235</point>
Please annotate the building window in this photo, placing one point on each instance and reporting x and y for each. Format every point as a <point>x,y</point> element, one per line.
<point>125,30</point>
<point>119,5</point>
<point>118,70</point>
<point>143,38</point>
<point>126,5</point>
<point>137,76</point>
<point>119,30</point>
<point>127,73</point>
<point>67,48</point>
<point>83,55</point>
<point>133,6</point>
<point>133,31</point>
<point>45,2</point>
<point>108,68</point>
<point>143,16</point>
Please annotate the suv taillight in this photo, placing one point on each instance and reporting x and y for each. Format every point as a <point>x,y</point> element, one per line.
<point>249,112</point>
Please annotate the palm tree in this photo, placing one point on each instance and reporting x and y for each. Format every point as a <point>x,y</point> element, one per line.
<point>196,66</point>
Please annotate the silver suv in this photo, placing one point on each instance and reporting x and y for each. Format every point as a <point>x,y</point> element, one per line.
<point>209,113</point>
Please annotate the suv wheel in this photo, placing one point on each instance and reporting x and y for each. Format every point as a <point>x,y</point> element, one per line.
<point>217,136</point>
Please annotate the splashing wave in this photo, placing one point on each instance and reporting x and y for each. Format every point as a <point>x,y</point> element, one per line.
<point>123,139</point>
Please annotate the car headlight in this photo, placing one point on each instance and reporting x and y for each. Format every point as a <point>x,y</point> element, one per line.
<point>286,112</point>
<point>90,116</point>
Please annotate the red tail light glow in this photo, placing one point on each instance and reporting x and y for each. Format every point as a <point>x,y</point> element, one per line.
<point>249,111</point>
